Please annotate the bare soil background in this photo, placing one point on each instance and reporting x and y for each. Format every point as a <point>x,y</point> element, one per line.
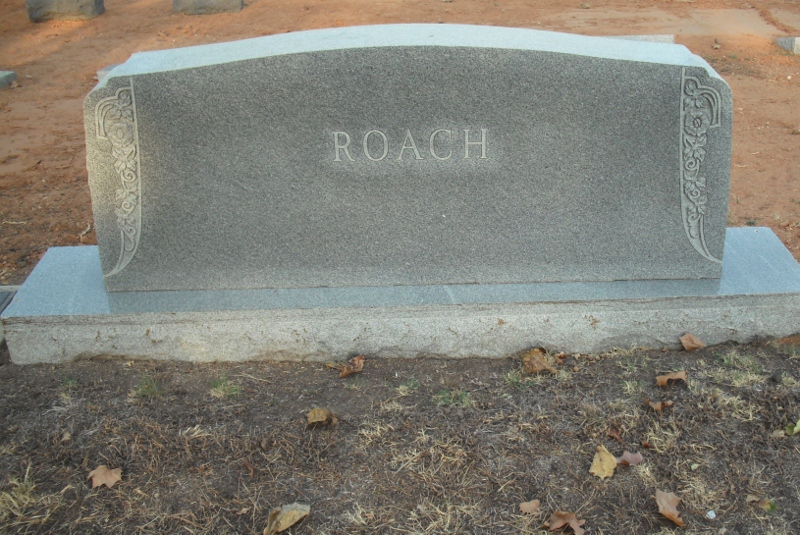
<point>423,446</point>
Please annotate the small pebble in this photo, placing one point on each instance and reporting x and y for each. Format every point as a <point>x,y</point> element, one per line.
<point>711,515</point>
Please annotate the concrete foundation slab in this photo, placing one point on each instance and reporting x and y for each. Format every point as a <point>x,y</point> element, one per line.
<point>63,312</point>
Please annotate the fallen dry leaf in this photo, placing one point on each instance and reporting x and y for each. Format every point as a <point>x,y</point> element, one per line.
<point>102,475</point>
<point>531,507</point>
<point>535,361</point>
<point>663,380</point>
<point>630,458</point>
<point>766,505</point>
<point>563,518</point>
<point>668,506</point>
<point>604,463</point>
<point>613,433</point>
<point>690,342</point>
<point>659,405</point>
<point>321,417</point>
<point>356,366</point>
<point>282,518</point>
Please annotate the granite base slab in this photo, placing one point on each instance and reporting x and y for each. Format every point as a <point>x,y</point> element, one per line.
<point>63,312</point>
<point>5,299</point>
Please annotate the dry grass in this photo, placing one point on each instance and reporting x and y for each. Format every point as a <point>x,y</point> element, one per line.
<point>456,451</point>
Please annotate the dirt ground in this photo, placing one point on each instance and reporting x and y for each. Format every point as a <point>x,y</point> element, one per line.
<point>422,446</point>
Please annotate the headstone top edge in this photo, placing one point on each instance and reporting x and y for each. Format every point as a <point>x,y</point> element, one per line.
<point>407,35</point>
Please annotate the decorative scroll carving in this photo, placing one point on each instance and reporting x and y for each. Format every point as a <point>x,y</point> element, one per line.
<point>700,112</point>
<point>115,121</point>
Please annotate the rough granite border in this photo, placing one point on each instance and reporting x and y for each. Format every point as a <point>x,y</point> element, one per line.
<point>758,297</point>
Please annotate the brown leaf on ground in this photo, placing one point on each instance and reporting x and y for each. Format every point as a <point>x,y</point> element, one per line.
<point>604,463</point>
<point>668,506</point>
<point>321,417</point>
<point>531,507</point>
<point>690,342</point>
<point>535,361</point>
<point>102,475</point>
<point>563,518</point>
<point>765,505</point>
<point>613,433</point>
<point>630,458</point>
<point>356,366</point>
<point>659,405</point>
<point>282,518</point>
<point>663,380</point>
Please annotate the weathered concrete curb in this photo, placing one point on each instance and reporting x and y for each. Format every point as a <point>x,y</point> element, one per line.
<point>55,320</point>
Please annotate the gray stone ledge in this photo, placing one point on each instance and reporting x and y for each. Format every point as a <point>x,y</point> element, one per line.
<point>62,312</point>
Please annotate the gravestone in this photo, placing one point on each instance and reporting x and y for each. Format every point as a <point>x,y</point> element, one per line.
<point>406,190</point>
<point>792,44</point>
<point>42,10</point>
<point>411,155</point>
<point>206,7</point>
<point>7,77</point>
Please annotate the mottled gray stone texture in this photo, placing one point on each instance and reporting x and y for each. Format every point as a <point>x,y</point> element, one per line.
<point>206,7</point>
<point>63,312</point>
<point>41,10</point>
<point>791,44</point>
<point>409,155</point>
<point>6,77</point>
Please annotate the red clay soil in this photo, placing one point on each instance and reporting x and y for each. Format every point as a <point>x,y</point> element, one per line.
<point>44,197</point>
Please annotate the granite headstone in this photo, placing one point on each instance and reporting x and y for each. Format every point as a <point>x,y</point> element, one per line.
<point>409,155</point>
<point>42,10</point>
<point>792,44</point>
<point>206,7</point>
